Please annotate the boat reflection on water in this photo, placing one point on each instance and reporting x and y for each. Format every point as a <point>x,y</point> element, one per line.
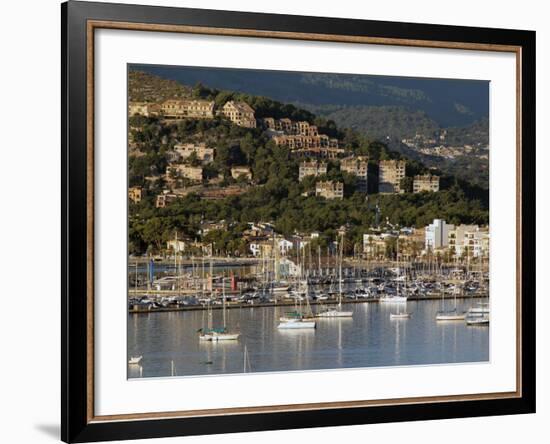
<point>369,338</point>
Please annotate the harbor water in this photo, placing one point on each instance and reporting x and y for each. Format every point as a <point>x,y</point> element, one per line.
<point>170,346</point>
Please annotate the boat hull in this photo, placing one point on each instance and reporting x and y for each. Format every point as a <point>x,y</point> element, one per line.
<point>335,314</point>
<point>296,325</point>
<point>216,337</point>
<point>400,315</point>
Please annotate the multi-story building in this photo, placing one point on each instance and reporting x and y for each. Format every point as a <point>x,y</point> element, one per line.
<point>329,189</point>
<point>301,142</point>
<point>426,182</point>
<point>143,109</point>
<point>358,166</point>
<point>196,109</point>
<point>290,127</point>
<point>312,168</point>
<point>390,174</point>
<point>318,153</point>
<point>185,171</point>
<point>469,240</point>
<point>238,171</point>
<point>374,245</point>
<point>135,194</point>
<point>240,113</point>
<point>203,153</point>
<point>437,235</point>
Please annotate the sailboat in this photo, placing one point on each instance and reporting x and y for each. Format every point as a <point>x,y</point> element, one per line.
<point>398,297</point>
<point>296,319</point>
<point>449,315</point>
<point>400,314</point>
<point>337,312</point>
<point>217,334</point>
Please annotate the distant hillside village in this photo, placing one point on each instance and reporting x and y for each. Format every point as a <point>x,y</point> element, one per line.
<point>302,139</point>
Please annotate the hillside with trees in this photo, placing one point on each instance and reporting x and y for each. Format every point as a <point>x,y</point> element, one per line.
<point>276,195</point>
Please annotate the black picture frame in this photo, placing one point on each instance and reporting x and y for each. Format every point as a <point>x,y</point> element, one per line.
<point>76,423</point>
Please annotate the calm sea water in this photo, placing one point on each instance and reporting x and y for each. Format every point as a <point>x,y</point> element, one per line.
<point>369,339</point>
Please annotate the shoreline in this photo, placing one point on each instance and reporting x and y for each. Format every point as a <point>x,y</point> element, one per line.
<point>290,303</point>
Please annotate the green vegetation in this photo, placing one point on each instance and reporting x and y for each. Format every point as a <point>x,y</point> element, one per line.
<point>277,195</point>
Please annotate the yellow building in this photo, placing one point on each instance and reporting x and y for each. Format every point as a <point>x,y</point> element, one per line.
<point>135,194</point>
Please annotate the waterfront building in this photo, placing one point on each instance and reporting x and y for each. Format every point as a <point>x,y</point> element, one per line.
<point>374,244</point>
<point>203,153</point>
<point>240,113</point>
<point>238,171</point>
<point>469,240</point>
<point>176,245</point>
<point>329,189</point>
<point>135,194</point>
<point>358,166</point>
<point>390,174</point>
<point>196,109</point>
<point>426,182</point>
<point>437,235</point>
<point>312,168</point>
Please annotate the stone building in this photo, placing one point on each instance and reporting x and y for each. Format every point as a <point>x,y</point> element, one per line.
<point>290,127</point>
<point>143,108</point>
<point>298,141</point>
<point>240,113</point>
<point>180,109</point>
<point>203,153</point>
<point>390,174</point>
<point>312,168</point>
<point>329,189</point>
<point>358,166</point>
<point>185,171</point>
<point>425,183</point>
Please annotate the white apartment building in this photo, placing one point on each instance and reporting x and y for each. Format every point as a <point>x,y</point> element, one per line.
<point>437,234</point>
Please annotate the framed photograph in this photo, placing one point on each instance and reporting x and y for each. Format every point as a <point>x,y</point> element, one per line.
<point>276,222</point>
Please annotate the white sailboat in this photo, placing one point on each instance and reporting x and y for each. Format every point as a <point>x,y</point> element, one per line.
<point>449,315</point>
<point>337,312</point>
<point>400,314</point>
<point>217,334</point>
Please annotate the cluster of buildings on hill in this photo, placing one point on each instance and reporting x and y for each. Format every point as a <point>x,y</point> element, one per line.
<point>302,138</point>
<point>390,176</point>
